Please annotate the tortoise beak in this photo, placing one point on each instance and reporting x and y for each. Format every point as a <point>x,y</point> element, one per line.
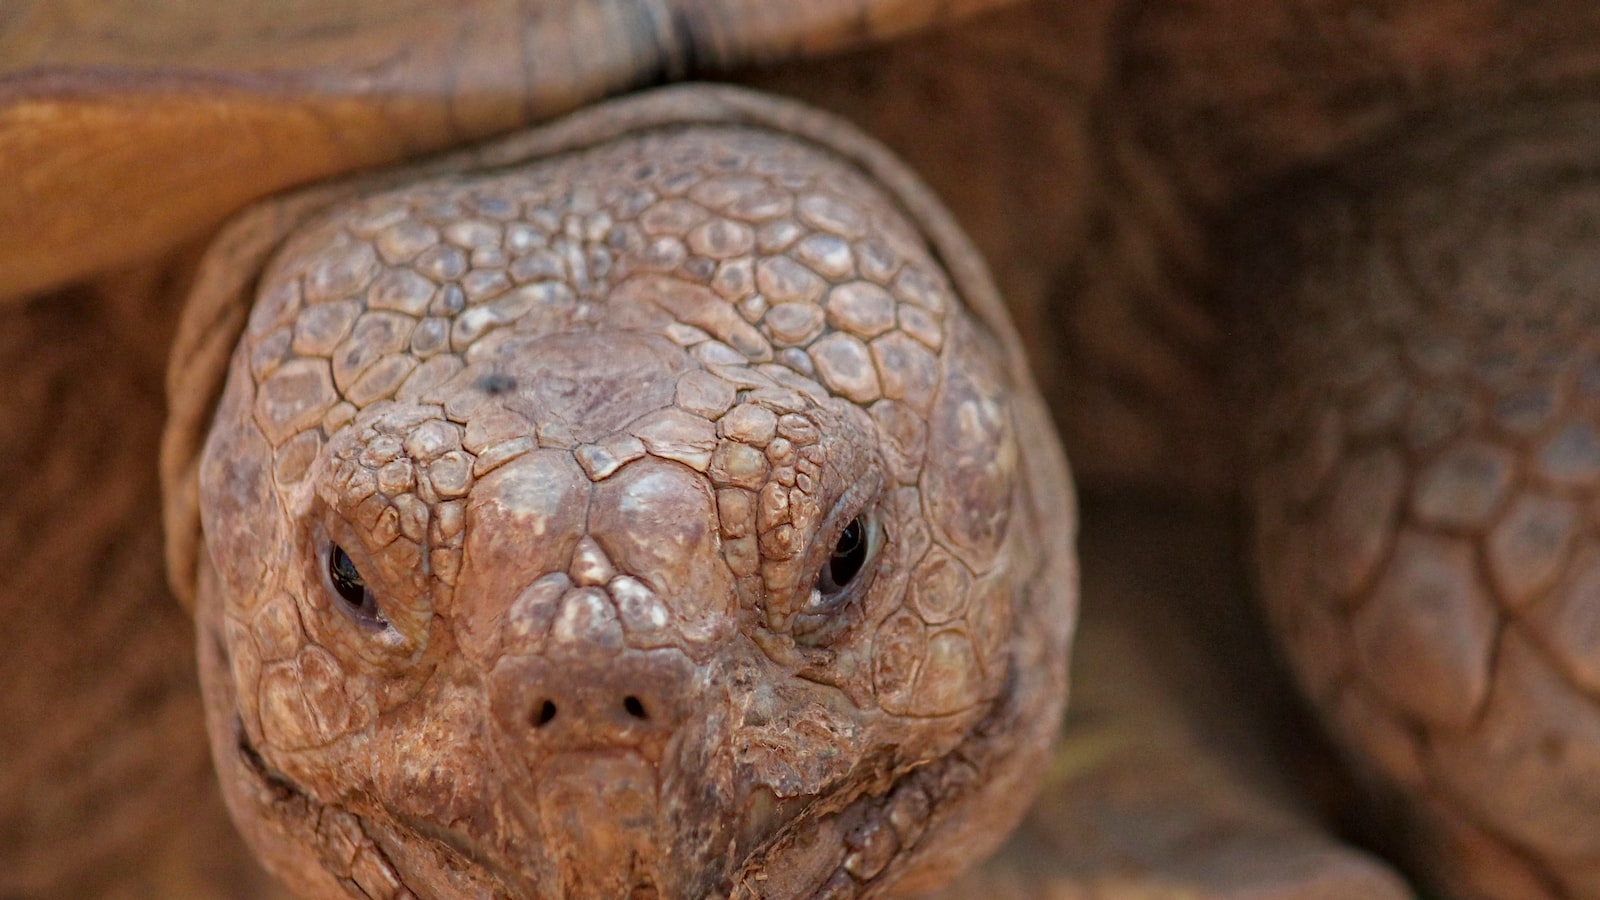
<point>598,815</point>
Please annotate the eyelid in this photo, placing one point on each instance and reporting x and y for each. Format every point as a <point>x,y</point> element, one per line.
<point>860,499</point>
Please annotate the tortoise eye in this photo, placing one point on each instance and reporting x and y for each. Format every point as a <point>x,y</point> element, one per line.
<point>349,585</point>
<point>830,609</point>
<point>849,557</point>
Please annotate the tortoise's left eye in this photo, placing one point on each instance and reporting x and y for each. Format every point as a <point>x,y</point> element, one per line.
<point>350,586</point>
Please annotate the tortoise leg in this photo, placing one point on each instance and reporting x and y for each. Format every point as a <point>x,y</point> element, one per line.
<point>105,781</point>
<point>1427,452</point>
<point>1182,766</point>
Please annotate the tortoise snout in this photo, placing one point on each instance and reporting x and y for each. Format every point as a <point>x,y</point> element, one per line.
<point>626,700</point>
<point>603,708</point>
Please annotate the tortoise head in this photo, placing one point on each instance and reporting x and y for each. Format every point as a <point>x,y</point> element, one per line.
<point>653,518</point>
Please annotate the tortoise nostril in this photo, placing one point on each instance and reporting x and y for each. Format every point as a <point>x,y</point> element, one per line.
<point>557,705</point>
<point>635,707</point>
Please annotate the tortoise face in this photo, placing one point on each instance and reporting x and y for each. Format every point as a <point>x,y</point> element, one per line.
<point>643,522</point>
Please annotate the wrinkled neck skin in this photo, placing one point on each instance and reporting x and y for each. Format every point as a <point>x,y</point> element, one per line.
<point>647,521</point>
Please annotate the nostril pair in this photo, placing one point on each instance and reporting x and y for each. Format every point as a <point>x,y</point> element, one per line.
<point>633,706</point>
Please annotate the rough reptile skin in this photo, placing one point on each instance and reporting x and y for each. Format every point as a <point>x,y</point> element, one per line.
<point>522,507</point>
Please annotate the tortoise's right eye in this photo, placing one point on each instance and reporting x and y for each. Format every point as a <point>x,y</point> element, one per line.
<point>849,556</point>
<point>350,586</point>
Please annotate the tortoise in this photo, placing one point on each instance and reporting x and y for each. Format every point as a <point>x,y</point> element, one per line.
<point>1324,263</point>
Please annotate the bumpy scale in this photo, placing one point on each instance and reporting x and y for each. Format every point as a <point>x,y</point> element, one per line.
<point>650,520</point>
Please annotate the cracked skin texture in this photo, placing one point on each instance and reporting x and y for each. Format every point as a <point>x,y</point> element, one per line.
<point>591,429</point>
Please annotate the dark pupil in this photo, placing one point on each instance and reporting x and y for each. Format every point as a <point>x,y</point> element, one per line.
<point>849,555</point>
<point>346,580</point>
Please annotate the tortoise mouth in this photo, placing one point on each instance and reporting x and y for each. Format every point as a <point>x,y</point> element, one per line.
<point>277,785</point>
<point>599,814</point>
<point>885,819</point>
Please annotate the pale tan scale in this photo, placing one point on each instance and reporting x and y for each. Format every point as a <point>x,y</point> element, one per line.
<point>276,628</point>
<point>781,453</point>
<point>450,476</point>
<point>343,267</point>
<point>845,365</point>
<point>793,324</point>
<point>1528,548</point>
<point>1564,619</point>
<point>430,337</point>
<point>861,308</point>
<point>906,439</point>
<point>404,240</point>
<point>721,239</point>
<point>270,353</point>
<point>323,327</point>
<point>826,254</point>
<point>442,263</point>
<point>776,237</point>
<point>922,325</point>
<point>1425,633</point>
<point>1572,457</point>
<point>679,435</point>
<point>749,423</point>
<point>736,512</point>
<point>1464,487</point>
<point>803,432</point>
<point>294,397</point>
<point>376,335</point>
<point>939,588</point>
<point>715,353</point>
<point>878,263</point>
<point>538,264</point>
<point>783,280</point>
<point>295,458</point>
<point>472,234</point>
<point>739,465</point>
<point>704,395</point>
<point>798,387</point>
<point>499,454</point>
<point>481,285</point>
<point>906,370</point>
<point>381,381</point>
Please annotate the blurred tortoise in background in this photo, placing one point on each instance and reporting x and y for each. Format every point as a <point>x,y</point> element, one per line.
<point>1332,260</point>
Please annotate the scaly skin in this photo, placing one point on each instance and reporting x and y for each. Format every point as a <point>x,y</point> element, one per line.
<point>590,428</point>
<point>1429,453</point>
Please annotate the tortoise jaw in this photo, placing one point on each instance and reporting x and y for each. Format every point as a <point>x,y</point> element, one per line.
<point>598,815</point>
